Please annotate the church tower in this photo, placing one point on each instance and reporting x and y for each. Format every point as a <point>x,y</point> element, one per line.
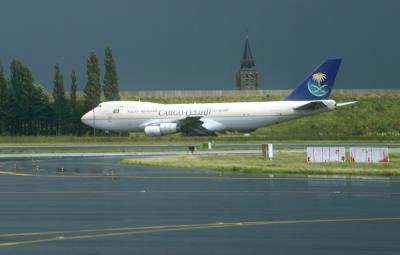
<point>247,77</point>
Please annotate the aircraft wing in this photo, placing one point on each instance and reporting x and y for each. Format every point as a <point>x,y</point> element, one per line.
<point>193,126</point>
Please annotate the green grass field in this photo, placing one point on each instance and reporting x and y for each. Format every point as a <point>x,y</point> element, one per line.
<point>283,163</point>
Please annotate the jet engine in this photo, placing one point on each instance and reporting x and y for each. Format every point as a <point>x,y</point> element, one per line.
<point>152,131</point>
<point>161,129</point>
<point>168,128</point>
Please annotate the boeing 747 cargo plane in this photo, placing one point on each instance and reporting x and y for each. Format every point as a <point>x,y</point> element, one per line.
<point>310,97</point>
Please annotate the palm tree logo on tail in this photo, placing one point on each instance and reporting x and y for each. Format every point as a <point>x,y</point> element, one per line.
<point>315,85</point>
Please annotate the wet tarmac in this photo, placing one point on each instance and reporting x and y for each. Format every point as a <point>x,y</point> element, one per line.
<point>99,206</point>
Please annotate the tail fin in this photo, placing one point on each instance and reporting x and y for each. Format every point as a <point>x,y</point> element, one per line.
<point>318,84</point>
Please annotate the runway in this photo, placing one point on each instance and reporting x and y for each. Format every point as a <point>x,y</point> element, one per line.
<point>99,206</point>
<point>118,154</point>
<point>165,150</point>
<point>181,146</point>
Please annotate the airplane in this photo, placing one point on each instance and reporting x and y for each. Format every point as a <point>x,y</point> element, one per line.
<point>311,96</point>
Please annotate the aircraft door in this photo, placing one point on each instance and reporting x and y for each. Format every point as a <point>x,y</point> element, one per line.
<point>110,116</point>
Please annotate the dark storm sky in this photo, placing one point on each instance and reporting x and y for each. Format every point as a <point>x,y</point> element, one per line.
<point>172,44</point>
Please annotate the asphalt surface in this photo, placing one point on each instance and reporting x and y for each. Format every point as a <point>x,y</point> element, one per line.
<point>98,206</point>
<point>167,150</point>
<point>119,154</point>
<point>61,155</point>
<point>181,146</point>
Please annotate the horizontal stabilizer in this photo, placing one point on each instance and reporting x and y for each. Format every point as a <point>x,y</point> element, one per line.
<point>345,103</point>
<point>311,106</point>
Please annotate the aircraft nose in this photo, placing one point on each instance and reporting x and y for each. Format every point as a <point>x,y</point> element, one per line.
<point>87,118</point>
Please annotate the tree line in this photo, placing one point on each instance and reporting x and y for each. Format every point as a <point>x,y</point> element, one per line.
<point>26,108</point>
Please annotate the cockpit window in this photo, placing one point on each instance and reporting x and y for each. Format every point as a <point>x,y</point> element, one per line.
<point>116,111</point>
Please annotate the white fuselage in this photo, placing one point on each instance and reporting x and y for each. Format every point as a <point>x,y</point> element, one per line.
<point>135,116</point>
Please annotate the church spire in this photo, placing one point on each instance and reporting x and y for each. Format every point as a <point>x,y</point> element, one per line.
<point>247,59</point>
<point>247,76</point>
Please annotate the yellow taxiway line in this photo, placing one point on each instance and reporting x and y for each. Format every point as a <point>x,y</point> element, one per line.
<point>109,232</point>
<point>15,173</point>
<point>215,177</point>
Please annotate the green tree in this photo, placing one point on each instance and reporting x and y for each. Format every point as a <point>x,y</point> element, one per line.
<point>3,82</point>
<point>43,117</point>
<point>60,101</point>
<point>3,90</point>
<point>75,120</point>
<point>110,87</point>
<point>21,91</point>
<point>10,111</point>
<point>74,87</point>
<point>92,90</point>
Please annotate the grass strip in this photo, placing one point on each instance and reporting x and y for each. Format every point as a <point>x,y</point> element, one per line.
<point>283,163</point>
